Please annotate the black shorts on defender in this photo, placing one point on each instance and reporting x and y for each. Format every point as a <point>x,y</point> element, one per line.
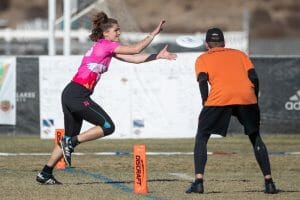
<point>78,106</point>
<point>215,119</point>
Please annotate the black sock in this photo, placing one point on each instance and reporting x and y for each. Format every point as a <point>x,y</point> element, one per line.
<point>199,180</point>
<point>74,141</point>
<point>47,171</point>
<point>269,180</point>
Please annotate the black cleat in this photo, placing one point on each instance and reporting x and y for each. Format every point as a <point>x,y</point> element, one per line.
<point>67,150</point>
<point>195,188</point>
<point>270,188</point>
<point>47,180</point>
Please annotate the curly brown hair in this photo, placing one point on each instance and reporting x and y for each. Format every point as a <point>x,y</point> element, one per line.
<point>100,24</point>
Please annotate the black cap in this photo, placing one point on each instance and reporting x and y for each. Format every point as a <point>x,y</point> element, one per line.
<point>214,35</point>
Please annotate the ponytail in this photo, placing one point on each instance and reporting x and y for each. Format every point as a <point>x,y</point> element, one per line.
<point>100,24</point>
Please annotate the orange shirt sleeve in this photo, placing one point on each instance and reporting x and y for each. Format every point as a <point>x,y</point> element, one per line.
<point>247,62</point>
<point>200,66</point>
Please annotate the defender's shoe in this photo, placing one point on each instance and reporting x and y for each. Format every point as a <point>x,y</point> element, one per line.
<point>47,180</point>
<point>195,188</point>
<point>270,188</point>
<point>67,150</point>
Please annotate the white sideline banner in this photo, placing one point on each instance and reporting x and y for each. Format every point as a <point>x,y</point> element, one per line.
<point>158,99</point>
<point>54,73</point>
<point>8,90</point>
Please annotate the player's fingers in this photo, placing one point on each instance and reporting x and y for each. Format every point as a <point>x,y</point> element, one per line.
<point>165,48</point>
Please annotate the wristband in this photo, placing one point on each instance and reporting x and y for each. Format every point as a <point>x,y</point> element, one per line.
<point>151,57</point>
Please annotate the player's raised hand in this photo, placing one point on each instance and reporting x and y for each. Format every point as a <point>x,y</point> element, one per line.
<point>158,29</point>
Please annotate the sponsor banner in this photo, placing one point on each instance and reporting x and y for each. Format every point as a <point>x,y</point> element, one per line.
<point>293,103</point>
<point>112,94</point>
<point>7,90</point>
<point>159,99</point>
<point>279,97</point>
<point>27,95</point>
<point>165,98</point>
<point>55,73</point>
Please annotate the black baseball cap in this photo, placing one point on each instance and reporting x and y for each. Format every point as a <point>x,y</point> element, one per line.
<point>214,35</point>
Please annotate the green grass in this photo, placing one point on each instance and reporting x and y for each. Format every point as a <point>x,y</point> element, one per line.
<point>230,176</point>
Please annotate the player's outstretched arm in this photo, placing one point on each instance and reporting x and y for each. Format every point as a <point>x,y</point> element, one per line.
<point>140,58</point>
<point>139,46</point>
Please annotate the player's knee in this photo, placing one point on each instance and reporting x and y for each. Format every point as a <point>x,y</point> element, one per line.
<point>108,128</point>
<point>259,145</point>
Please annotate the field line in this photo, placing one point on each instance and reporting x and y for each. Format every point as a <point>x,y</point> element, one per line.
<point>119,153</point>
<point>114,183</point>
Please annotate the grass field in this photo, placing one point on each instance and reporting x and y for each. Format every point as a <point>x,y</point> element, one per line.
<point>231,174</point>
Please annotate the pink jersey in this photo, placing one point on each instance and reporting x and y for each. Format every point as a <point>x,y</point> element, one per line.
<point>94,63</point>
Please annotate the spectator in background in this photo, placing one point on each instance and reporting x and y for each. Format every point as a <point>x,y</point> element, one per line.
<point>76,102</point>
<point>234,91</point>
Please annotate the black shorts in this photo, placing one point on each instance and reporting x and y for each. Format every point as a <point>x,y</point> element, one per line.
<point>215,119</point>
<point>78,106</point>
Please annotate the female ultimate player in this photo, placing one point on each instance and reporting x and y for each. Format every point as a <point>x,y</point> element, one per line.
<point>76,102</point>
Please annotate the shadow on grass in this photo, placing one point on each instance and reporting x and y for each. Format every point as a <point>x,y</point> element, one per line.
<point>230,180</point>
<point>86,183</point>
<point>250,191</point>
<point>151,180</point>
<point>214,192</point>
<point>123,182</point>
<point>279,191</point>
<point>287,191</point>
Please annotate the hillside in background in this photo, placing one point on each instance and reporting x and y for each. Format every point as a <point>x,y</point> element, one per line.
<point>274,25</point>
<point>268,18</point>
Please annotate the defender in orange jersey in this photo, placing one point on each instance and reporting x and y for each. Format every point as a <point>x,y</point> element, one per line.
<point>233,91</point>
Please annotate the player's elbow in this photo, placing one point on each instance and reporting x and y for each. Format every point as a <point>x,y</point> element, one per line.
<point>202,78</point>
<point>252,75</point>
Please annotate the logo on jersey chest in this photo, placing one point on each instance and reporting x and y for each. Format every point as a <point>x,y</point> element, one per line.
<point>97,68</point>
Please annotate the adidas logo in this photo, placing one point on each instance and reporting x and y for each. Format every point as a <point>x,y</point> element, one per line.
<point>294,102</point>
